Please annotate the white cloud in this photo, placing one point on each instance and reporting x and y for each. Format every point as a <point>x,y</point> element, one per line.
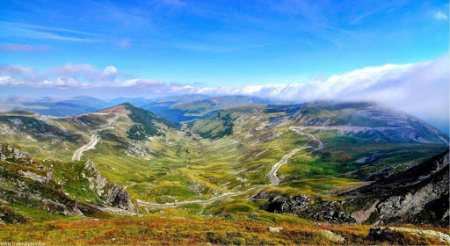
<point>28,31</point>
<point>61,82</point>
<point>6,80</point>
<point>419,88</point>
<point>139,83</point>
<point>69,75</point>
<point>110,70</point>
<point>440,15</point>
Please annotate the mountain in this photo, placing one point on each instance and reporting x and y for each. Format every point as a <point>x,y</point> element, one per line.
<point>37,190</point>
<point>165,109</point>
<point>416,195</point>
<point>88,101</point>
<point>362,141</point>
<point>175,109</point>
<point>368,121</point>
<point>363,121</point>
<point>55,106</point>
<point>145,123</point>
<point>124,125</point>
<point>221,123</point>
<point>179,109</point>
<point>138,101</point>
<point>28,123</point>
<point>205,106</point>
<point>311,162</point>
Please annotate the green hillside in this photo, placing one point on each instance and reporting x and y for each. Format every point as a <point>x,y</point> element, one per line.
<point>230,163</point>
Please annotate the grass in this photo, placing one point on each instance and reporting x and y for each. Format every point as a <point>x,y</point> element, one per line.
<point>216,126</point>
<point>343,151</point>
<point>172,229</point>
<point>182,166</point>
<point>145,123</point>
<point>238,155</point>
<point>70,175</point>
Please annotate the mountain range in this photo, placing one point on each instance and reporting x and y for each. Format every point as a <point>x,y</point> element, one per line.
<point>228,157</point>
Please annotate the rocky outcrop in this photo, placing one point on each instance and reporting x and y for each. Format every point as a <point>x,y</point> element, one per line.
<point>34,184</point>
<point>417,195</point>
<point>332,211</point>
<point>407,236</point>
<point>304,206</point>
<point>36,177</point>
<point>97,182</point>
<point>11,153</point>
<point>275,229</point>
<point>30,188</point>
<point>112,194</point>
<point>118,197</point>
<point>331,236</point>
<point>284,204</point>
<point>62,209</point>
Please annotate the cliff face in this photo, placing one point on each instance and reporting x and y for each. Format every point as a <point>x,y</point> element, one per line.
<point>111,194</point>
<point>54,188</point>
<point>9,152</point>
<point>418,195</point>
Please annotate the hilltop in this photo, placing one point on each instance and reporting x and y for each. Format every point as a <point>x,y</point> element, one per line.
<point>279,163</point>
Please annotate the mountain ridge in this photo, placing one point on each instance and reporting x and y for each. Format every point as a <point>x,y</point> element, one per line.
<point>220,162</point>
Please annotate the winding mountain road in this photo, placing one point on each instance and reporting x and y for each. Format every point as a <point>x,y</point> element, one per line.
<point>273,179</point>
<point>298,130</point>
<point>90,145</point>
<point>94,139</point>
<point>201,202</point>
<point>272,175</point>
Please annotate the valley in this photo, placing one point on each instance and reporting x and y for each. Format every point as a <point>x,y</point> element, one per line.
<point>271,164</point>
<point>248,122</point>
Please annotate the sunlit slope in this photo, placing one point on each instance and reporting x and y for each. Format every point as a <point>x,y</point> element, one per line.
<point>233,150</point>
<point>35,190</point>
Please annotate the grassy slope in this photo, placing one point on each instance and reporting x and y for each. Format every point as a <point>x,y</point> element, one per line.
<point>67,186</point>
<point>171,229</point>
<point>184,166</point>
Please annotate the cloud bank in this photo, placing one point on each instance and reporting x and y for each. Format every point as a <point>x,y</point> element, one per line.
<point>420,88</point>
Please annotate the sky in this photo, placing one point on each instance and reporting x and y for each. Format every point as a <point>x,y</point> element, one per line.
<point>394,52</point>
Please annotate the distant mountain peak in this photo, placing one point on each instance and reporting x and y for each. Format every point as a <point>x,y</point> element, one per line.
<point>129,105</point>
<point>145,123</point>
<point>368,120</point>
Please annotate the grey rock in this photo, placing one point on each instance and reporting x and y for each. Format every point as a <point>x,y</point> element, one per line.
<point>284,204</point>
<point>416,195</point>
<point>390,234</point>
<point>333,212</point>
<point>9,152</point>
<point>118,197</point>
<point>112,194</point>
<point>36,177</point>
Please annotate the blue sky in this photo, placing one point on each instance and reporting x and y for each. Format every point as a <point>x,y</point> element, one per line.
<point>393,52</point>
<point>222,43</point>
